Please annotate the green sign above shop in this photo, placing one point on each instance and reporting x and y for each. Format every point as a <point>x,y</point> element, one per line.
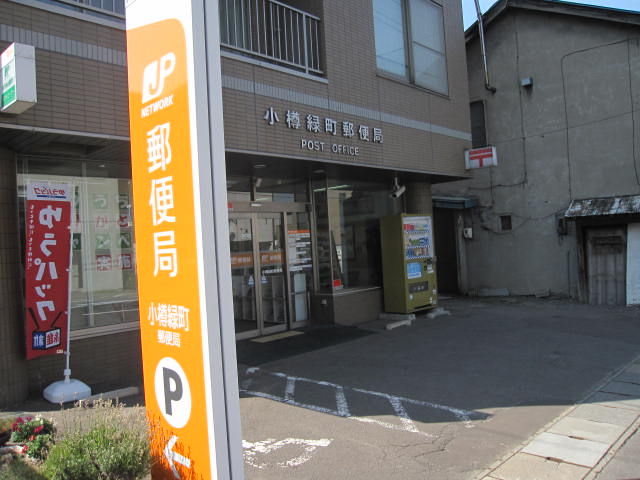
<point>18,70</point>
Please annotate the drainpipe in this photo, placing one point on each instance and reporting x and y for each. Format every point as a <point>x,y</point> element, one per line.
<point>483,49</point>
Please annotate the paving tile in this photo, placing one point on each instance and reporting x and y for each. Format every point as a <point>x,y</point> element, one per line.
<point>604,414</point>
<point>622,388</point>
<point>587,429</point>
<point>529,467</point>
<point>579,452</point>
<point>614,400</point>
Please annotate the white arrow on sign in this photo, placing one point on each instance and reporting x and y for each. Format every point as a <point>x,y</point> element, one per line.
<point>175,457</point>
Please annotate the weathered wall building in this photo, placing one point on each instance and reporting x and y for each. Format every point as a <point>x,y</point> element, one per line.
<point>560,212</point>
<point>326,105</point>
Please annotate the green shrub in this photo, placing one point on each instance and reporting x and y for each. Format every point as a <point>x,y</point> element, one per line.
<point>112,444</point>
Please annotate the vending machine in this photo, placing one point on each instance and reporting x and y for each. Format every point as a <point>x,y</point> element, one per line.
<point>408,263</point>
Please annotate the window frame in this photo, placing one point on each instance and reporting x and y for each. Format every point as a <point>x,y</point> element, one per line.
<point>410,78</point>
<point>474,142</point>
<point>82,170</point>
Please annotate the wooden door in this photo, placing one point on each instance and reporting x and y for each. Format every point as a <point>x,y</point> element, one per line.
<point>606,251</point>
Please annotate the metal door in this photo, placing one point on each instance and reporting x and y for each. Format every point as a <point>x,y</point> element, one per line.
<point>606,250</point>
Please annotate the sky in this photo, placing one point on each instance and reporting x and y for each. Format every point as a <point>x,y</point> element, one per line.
<point>469,9</point>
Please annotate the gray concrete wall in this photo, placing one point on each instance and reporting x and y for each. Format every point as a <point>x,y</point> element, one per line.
<point>633,264</point>
<point>571,136</point>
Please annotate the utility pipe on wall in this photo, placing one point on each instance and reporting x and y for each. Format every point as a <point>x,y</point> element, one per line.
<point>483,49</point>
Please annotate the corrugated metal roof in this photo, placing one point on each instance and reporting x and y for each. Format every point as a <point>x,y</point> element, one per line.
<point>604,206</point>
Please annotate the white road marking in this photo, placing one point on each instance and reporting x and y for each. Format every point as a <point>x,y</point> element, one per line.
<point>408,424</point>
<point>290,389</point>
<point>341,402</point>
<point>397,403</point>
<point>253,449</point>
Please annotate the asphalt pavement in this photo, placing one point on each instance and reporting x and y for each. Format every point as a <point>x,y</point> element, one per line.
<point>471,395</point>
<point>500,389</point>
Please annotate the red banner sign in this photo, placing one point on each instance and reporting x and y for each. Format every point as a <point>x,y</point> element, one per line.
<point>48,237</point>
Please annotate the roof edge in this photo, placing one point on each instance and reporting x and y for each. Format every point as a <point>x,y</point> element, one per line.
<point>555,6</point>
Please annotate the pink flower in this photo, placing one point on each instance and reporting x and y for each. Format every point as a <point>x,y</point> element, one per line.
<point>32,438</point>
<point>25,449</point>
<point>38,429</point>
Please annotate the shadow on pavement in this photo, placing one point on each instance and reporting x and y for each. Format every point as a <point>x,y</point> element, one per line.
<point>489,354</point>
<point>250,352</point>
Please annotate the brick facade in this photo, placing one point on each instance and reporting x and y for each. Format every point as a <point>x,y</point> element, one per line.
<point>82,95</point>
<point>13,368</point>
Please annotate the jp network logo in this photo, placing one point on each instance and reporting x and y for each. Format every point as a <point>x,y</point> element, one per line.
<point>154,76</point>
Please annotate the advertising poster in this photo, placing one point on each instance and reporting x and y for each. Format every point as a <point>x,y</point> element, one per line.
<point>47,254</point>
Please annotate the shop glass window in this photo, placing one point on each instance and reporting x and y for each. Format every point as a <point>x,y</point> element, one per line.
<point>104,283</point>
<point>348,232</point>
<point>238,188</point>
<point>410,42</point>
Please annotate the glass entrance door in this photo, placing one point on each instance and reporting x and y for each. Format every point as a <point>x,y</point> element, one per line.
<point>272,265</point>
<point>243,275</point>
<point>258,273</point>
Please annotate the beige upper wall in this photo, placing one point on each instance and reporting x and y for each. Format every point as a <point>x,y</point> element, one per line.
<point>352,83</point>
<point>81,72</point>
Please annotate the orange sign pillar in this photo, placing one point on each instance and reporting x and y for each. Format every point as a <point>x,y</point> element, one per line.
<point>180,207</point>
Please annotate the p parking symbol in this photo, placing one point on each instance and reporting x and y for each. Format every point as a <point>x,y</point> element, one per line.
<point>172,392</point>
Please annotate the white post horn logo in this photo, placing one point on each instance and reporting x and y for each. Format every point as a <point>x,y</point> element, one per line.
<point>154,75</point>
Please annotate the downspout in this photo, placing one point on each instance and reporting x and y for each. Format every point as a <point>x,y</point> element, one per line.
<point>483,49</point>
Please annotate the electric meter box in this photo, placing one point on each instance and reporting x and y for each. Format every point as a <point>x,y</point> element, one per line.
<point>408,263</point>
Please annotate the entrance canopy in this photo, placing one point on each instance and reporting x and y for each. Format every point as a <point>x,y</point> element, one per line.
<point>590,207</point>
<point>458,203</point>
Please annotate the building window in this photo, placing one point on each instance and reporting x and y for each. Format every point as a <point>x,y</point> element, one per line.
<point>410,44</point>
<point>103,268</point>
<point>478,129</point>
<point>505,223</point>
<point>272,31</point>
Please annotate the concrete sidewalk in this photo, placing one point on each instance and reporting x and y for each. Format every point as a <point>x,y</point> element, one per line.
<point>597,439</point>
<point>624,462</point>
